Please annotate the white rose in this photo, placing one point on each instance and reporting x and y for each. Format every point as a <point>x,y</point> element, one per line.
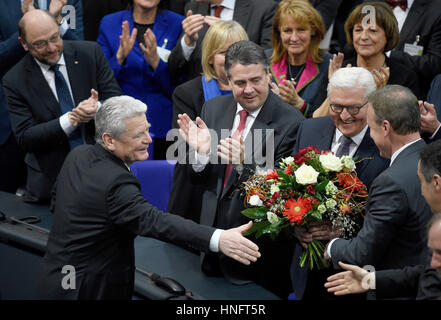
<point>306,175</point>
<point>274,189</point>
<point>255,201</point>
<point>348,162</point>
<point>321,208</point>
<point>272,217</point>
<point>331,203</point>
<point>331,189</point>
<point>331,162</point>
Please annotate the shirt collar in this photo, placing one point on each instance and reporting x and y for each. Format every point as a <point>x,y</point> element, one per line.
<point>357,139</point>
<point>253,114</point>
<point>229,4</point>
<point>396,153</point>
<point>46,67</point>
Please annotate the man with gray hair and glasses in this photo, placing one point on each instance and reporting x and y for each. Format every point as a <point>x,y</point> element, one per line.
<point>394,230</point>
<point>345,132</point>
<point>99,209</point>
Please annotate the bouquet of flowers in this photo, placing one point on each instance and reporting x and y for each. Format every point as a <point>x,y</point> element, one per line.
<point>312,186</point>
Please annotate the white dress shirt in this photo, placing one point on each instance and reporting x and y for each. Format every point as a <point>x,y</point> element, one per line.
<point>49,75</point>
<point>226,14</point>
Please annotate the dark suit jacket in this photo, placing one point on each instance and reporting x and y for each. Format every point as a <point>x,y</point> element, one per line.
<point>95,225</point>
<point>222,207</point>
<point>186,195</point>
<point>319,132</point>
<point>419,282</point>
<point>11,50</point>
<point>394,229</point>
<point>255,16</point>
<point>35,112</point>
<point>423,19</point>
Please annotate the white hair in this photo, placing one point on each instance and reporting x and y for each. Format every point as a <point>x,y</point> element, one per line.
<point>352,78</point>
<point>112,113</point>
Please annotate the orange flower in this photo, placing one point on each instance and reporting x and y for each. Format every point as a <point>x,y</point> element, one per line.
<point>272,174</point>
<point>296,209</point>
<point>351,182</point>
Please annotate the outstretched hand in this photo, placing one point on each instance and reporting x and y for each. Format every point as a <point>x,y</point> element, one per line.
<point>347,282</point>
<point>234,245</point>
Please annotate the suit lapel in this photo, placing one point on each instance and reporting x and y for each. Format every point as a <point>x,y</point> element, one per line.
<point>40,87</point>
<point>326,136</point>
<point>242,12</point>
<point>411,21</point>
<point>366,149</point>
<point>73,67</point>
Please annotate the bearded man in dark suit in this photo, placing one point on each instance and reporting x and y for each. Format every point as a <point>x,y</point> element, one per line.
<point>99,209</point>
<point>52,96</point>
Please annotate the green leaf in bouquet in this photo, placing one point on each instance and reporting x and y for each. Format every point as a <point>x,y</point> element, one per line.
<point>264,230</point>
<point>255,213</point>
<point>284,176</point>
<point>257,227</point>
<point>316,215</point>
<point>322,185</point>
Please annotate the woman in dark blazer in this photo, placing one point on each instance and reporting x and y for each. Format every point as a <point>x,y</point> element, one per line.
<point>371,44</point>
<point>137,43</point>
<point>185,197</point>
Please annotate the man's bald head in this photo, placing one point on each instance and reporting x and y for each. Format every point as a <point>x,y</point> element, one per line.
<point>33,19</point>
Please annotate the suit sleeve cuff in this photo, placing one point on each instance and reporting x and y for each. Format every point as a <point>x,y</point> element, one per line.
<point>201,161</point>
<point>436,131</point>
<point>65,124</point>
<point>214,241</point>
<point>186,50</point>
<point>329,247</point>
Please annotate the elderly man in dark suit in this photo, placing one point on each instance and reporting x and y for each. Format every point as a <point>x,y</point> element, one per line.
<point>345,132</point>
<point>394,229</point>
<point>255,16</point>
<point>421,281</point>
<point>12,167</point>
<point>52,97</point>
<point>99,209</point>
<point>256,118</point>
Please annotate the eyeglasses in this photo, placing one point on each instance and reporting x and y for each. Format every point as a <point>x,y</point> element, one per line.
<point>352,110</point>
<point>39,45</point>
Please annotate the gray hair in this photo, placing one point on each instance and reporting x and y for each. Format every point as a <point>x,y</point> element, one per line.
<point>352,78</point>
<point>245,52</point>
<point>112,113</point>
<point>399,106</point>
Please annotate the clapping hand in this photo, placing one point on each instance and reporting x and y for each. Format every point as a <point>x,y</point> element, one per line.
<point>191,25</point>
<point>381,77</point>
<point>86,110</point>
<point>27,5</point>
<point>234,245</point>
<point>231,150</point>
<point>196,135</point>
<point>56,6</point>
<point>126,42</point>
<point>335,63</point>
<point>429,119</point>
<point>150,49</point>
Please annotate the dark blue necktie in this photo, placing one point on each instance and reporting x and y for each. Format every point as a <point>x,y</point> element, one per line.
<point>66,103</point>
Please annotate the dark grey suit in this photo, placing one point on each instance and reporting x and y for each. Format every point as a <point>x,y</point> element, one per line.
<point>222,207</point>
<point>256,16</point>
<point>99,209</point>
<point>35,112</point>
<point>319,132</point>
<point>394,229</point>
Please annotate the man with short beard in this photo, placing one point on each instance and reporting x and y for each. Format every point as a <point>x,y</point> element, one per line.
<point>52,96</point>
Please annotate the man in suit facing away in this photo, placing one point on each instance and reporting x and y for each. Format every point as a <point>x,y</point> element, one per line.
<point>394,229</point>
<point>421,281</point>
<point>255,16</point>
<point>344,132</point>
<point>231,138</point>
<point>99,209</point>
<point>52,96</point>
